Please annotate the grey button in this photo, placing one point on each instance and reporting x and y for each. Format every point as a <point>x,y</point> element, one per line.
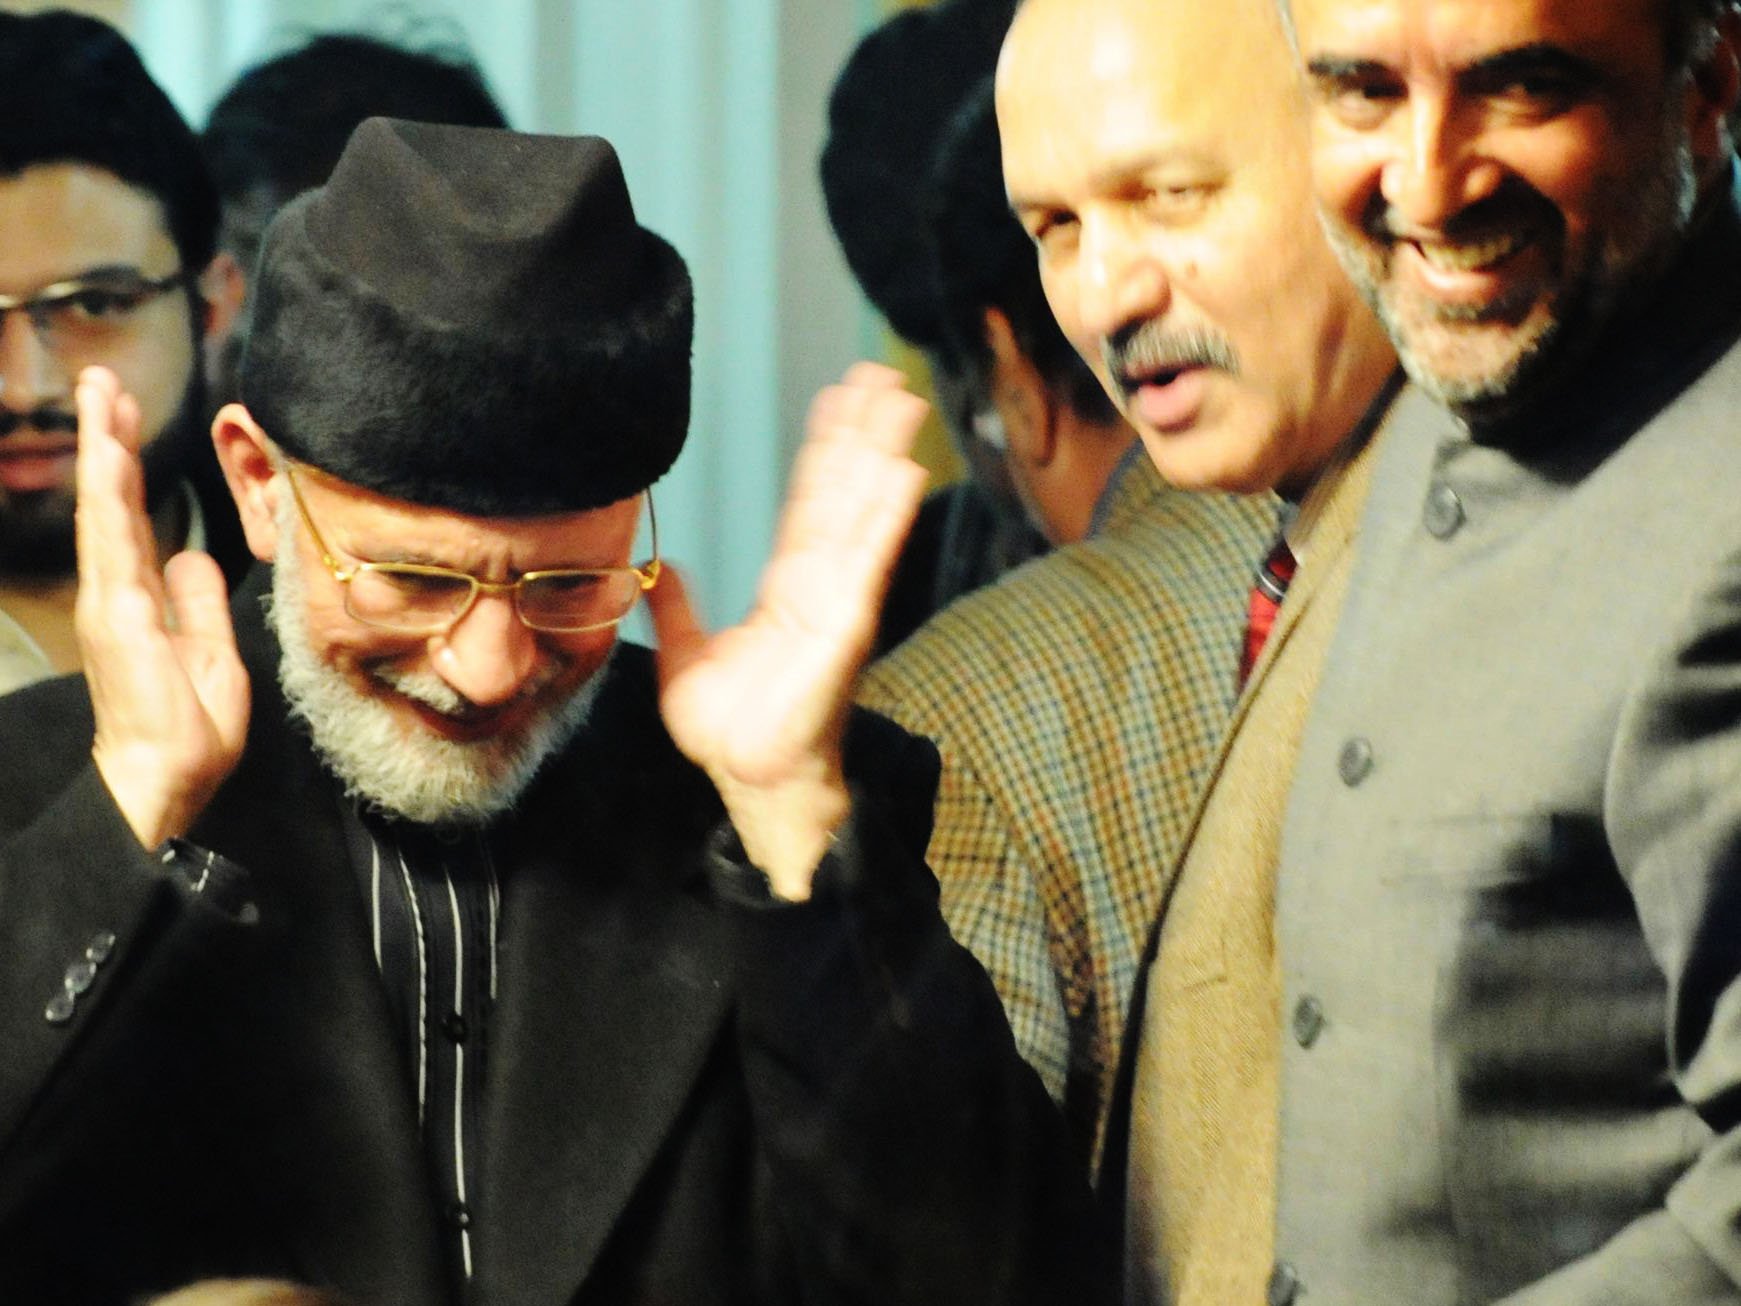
<point>453,1025</point>
<point>1284,1285</point>
<point>248,913</point>
<point>101,946</point>
<point>1443,514</point>
<point>79,976</point>
<point>60,1008</point>
<point>459,1215</point>
<point>1354,762</point>
<point>1308,1020</point>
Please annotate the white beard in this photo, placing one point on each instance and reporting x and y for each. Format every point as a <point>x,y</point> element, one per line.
<point>406,772</point>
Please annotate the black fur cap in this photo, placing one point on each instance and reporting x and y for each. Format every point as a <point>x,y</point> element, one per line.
<point>472,319</point>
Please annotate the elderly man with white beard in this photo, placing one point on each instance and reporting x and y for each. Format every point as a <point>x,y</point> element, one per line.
<point>405,934</point>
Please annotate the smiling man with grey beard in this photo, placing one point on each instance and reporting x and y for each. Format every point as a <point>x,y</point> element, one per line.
<point>1499,287</point>
<point>418,776</point>
<point>420,938</point>
<point>1505,913</point>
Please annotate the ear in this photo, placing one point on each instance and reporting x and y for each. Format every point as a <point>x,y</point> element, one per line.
<point>1020,395</point>
<point>1715,89</point>
<point>244,453</point>
<point>223,286</point>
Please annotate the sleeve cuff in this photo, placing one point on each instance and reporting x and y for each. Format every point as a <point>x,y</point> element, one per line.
<point>213,879</point>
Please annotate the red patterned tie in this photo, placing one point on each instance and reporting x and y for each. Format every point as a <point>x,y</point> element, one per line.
<point>1267,592</point>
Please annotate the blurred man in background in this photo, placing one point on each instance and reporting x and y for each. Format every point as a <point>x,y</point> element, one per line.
<point>935,250</point>
<point>108,222</point>
<point>1034,399</point>
<point>279,128</point>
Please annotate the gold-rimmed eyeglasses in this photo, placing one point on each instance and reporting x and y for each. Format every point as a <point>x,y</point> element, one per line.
<point>90,309</point>
<point>413,598</point>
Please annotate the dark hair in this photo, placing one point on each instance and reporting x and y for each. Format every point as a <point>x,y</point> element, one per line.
<point>1685,19</point>
<point>72,90</point>
<point>1681,25</point>
<point>282,124</point>
<point>888,108</point>
<point>982,258</point>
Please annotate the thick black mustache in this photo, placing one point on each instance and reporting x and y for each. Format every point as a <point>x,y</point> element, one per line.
<point>1145,349</point>
<point>49,421</point>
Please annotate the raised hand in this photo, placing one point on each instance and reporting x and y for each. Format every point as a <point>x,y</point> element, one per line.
<point>168,689</point>
<point>762,706</point>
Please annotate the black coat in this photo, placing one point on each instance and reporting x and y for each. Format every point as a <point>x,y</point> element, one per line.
<point>693,1097</point>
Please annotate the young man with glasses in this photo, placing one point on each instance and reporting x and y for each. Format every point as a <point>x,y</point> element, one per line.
<point>107,230</point>
<point>407,933</point>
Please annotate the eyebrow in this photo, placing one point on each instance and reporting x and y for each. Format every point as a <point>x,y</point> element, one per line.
<point>1118,175</point>
<point>1494,72</point>
<point>1509,66</point>
<point>107,272</point>
<point>1340,68</point>
<point>394,554</point>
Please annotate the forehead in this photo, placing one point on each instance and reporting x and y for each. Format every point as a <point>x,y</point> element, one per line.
<point>383,529</point>
<point>1424,34</point>
<point>61,219</point>
<point>1088,89</point>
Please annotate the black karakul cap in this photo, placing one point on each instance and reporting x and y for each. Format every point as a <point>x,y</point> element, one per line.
<point>472,319</point>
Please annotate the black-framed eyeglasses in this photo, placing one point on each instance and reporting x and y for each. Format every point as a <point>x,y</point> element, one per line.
<point>89,310</point>
<point>412,598</point>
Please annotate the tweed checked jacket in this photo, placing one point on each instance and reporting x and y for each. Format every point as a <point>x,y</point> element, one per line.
<point>1077,704</point>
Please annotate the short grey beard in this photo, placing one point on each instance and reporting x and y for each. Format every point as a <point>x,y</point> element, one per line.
<point>1629,260</point>
<point>416,777</point>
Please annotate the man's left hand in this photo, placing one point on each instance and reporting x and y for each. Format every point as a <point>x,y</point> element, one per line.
<point>762,707</point>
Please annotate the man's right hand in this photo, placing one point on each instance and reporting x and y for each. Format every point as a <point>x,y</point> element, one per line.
<point>168,689</point>
<point>762,707</point>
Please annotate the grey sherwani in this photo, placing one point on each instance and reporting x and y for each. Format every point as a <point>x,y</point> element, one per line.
<point>1509,902</point>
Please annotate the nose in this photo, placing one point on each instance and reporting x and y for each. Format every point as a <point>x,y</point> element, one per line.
<point>30,374</point>
<point>488,655</point>
<point>1436,167</point>
<point>1122,279</point>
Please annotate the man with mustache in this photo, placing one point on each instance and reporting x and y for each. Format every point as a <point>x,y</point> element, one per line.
<point>1506,912</point>
<point>402,933</point>
<point>1154,150</point>
<point>107,229</point>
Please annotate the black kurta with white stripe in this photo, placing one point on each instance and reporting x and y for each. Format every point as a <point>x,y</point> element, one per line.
<point>433,899</point>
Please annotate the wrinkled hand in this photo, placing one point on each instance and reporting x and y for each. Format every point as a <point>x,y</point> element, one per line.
<point>168,689</point>
<point>762,707</point>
